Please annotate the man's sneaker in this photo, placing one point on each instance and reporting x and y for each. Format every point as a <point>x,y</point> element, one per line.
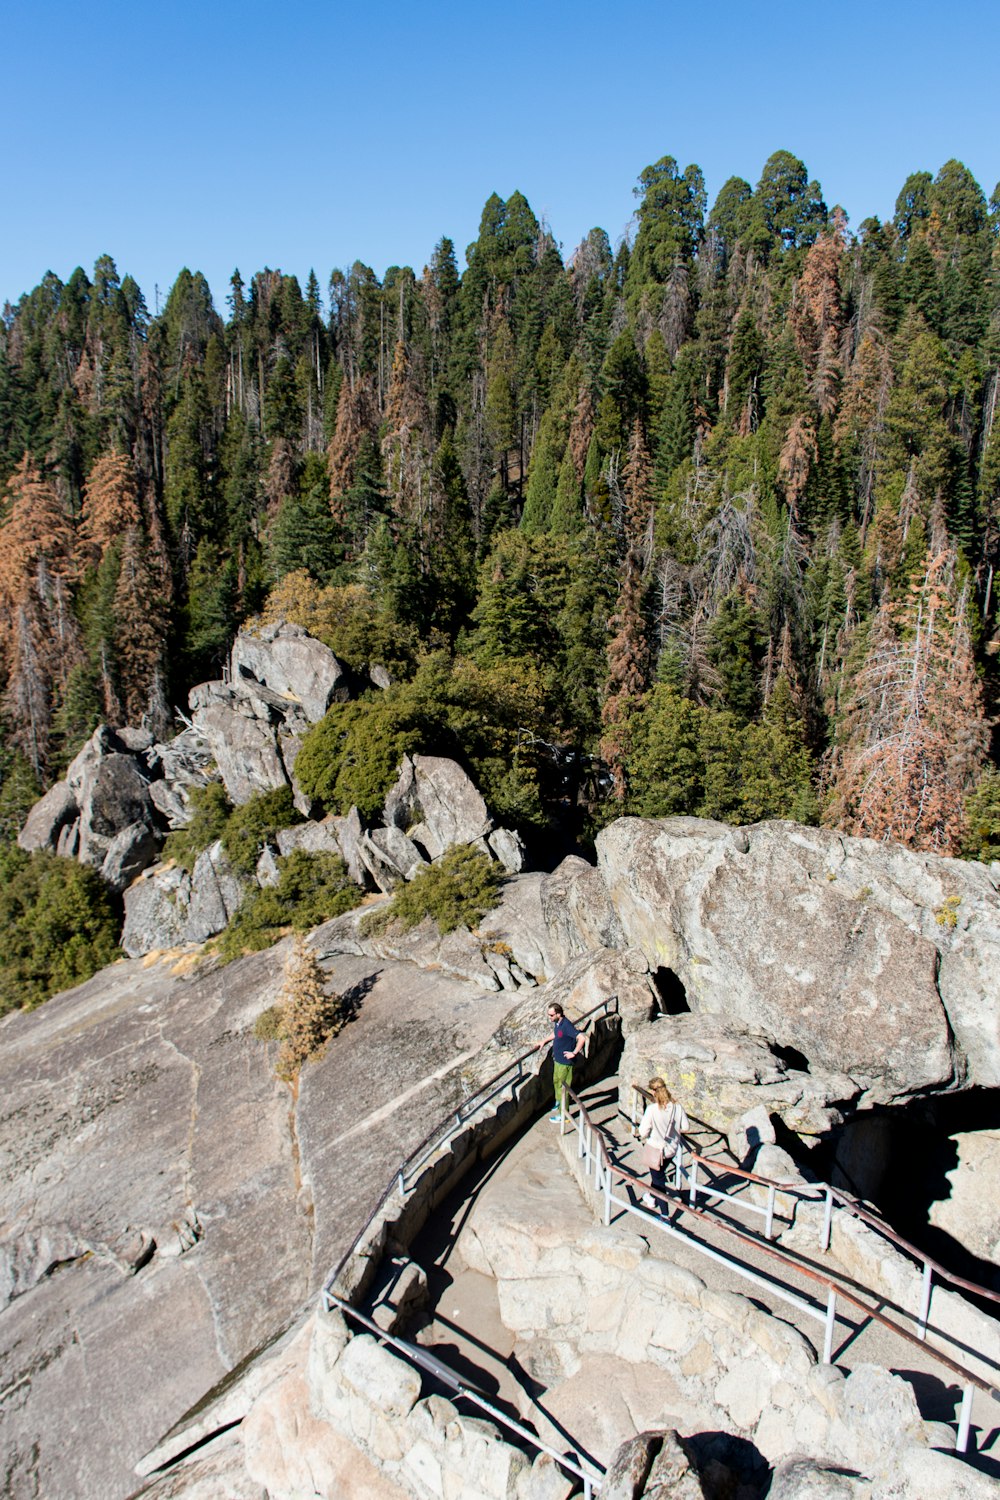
<point>647,1200</point>
<point>555,1115</point>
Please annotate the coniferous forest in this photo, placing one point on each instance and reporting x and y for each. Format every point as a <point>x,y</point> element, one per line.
<point>705,522</point>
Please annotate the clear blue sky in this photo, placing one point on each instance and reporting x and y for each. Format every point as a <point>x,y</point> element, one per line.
<point>305,134</point>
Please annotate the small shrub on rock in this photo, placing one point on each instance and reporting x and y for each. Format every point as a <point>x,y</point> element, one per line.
<point>270,1025</point>
<point>211,811</point>
<point>256,823</point>
<point>311,889</point>
<point>310,1015</point>
<point>457,891</point>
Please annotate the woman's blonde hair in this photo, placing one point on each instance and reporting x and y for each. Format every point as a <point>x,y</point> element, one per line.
<point>661,1094</point>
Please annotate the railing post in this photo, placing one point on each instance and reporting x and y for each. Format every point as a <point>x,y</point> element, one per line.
<point>402,1184</point>
<point>677,1168</point>
<point>607,1192</point>
<point>769,1217</point>
<point>824,1243</point>
<point>693,1178</point>
<point>831,1318</point>
<point>925,1300</point>
<point>964,1421</point>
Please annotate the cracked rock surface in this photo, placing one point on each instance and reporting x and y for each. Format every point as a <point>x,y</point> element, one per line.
<point>168,1204</point>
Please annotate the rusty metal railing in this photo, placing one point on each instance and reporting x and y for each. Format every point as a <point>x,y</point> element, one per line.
<point>605,1171</point>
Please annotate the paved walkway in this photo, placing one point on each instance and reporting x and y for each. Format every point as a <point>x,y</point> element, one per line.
<point>466,1330</point>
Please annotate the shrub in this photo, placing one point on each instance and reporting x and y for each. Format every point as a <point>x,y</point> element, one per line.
<point>351,757</point>
<point>458,891</point>
<point>311,889</point>
<point>59,927</point>
<point>487,717</point>
<point>310,1016</point>
<point>212,809</point>
<point>982,816</point>
<point>256,823</point>
<point>270,1025</point>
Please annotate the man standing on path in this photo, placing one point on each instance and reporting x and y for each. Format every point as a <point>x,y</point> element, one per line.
<point>567,1042</point>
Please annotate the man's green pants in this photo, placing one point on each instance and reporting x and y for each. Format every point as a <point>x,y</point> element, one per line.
<point>562,1077</point>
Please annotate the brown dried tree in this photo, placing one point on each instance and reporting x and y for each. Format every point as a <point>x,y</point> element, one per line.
<point>913,735</point>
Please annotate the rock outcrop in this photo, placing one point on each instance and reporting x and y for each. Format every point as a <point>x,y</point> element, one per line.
<point>169,1205</point>
<point>872,961</point>
<point>436,805</point>
<point>735,1079</point>
<point>102,814</point>
<point>293,664</point>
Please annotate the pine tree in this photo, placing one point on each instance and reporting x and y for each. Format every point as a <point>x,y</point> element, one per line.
<point>310,1014</point>
<point>628,672</point>
<point>140,631</point>
<point>913,734</point>
<point>110,504</point>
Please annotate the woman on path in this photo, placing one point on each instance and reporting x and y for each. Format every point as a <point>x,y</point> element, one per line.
<point>660,1133</point>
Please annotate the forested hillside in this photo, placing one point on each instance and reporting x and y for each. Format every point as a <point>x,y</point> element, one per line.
<point>706,522</point>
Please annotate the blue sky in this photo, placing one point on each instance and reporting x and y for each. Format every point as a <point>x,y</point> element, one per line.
<point>311,135</point>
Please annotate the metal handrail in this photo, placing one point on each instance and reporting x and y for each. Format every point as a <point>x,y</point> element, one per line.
<point>457,1119</point>
<point>436,1367</point>
<point>441,1133</point>
<point>817,1192</point>
<point>603,1168</point>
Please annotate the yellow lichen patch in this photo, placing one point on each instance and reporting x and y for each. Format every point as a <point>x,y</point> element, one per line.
<point>947,913</point>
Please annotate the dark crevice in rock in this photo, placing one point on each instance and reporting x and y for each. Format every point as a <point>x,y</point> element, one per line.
<point>179,1458</point>
<point>898,1160</point>
<point>793,1059</point>
<point>671,992</point>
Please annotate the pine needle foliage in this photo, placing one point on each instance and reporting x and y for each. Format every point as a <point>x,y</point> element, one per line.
<point>59,926</point>
<point>310,1014</point>
<point>311,888</point>
<point>211,809</point>
<point>457,891</point>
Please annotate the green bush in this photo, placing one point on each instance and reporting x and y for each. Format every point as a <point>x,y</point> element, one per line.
<point>458,891</point>
<point>270,1024</point>
<point>982,817</point>
<point>243,830</point>
<point>256,823</point>
<point>311,889</point>
<point>59,927</point>
<point>212,809</point>
<point>351,757</point>
<point>488,718</point>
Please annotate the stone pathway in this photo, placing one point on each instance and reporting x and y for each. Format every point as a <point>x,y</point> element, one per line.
<point>857,1340</point>
<point>589,1409</point>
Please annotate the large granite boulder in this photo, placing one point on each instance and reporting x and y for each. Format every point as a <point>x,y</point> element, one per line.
<point>242,732</point>
<point>436,805</point>
<point>577,911</point>
<point>51,814</point>
<point>102,813</point>
<point>734,1080</point>
<point>169,907</point>
<point>812,939</point>
<point>288,660</point>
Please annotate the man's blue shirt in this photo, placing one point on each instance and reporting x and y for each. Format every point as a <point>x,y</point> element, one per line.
<point>564,1035</point>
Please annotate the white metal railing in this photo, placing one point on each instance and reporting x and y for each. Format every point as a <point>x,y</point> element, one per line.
<point>932,1272</point>
<point>420,1357</point>
<point>601,1167</point>
<point>507,1081</point>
